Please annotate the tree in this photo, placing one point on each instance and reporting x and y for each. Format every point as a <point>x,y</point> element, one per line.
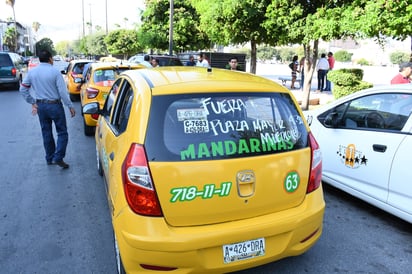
<point>235,22</point>
<point>11,3</point>
<point>306,22</point>
<point>9,38</point>
<point>122,42</point>
<point>187,34</point>
<point>384,18</point>
<point>45,44</point>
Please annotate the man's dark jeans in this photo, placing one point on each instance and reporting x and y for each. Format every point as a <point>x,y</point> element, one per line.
<point>321,79</point>
<point>49,114</point>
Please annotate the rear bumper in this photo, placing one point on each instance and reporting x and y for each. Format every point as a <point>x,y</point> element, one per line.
<point>9,80</point>
<point>198,249</point>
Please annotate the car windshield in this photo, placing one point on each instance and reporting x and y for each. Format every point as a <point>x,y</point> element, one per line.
<point>219,126</point>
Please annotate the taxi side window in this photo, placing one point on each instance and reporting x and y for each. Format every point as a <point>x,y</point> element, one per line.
<point>108,105</point>
<point>379,111</point>
<point>122,108</point>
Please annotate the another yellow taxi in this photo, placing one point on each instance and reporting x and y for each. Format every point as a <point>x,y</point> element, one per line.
<point>99,78</point>
<point>207,171</point>
<point>73,76</point>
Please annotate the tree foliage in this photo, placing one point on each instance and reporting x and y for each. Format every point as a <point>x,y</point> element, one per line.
<point>94,44</point>
<point>187,34</point>
<point>122,42</point>
<point>10,38</point>
<point>235,22</point>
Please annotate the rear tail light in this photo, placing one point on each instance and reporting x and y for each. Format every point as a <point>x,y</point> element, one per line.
<point>315,176</point>
<point>138,185</point>
<point>13,71</point>
<point>92,93</point>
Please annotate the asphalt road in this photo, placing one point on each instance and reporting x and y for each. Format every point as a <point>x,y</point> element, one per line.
<point>57,221</point>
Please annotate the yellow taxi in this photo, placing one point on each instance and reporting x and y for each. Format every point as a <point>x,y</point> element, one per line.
<point>73,76</point>
<point>207,171</point>
<point>99,78</point>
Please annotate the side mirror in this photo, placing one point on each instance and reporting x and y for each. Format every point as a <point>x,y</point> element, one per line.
<point>92,108</point>
<point>63,72</point>
<point>331,120</point>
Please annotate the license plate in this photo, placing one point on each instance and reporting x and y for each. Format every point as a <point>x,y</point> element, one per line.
<point>243,250</point>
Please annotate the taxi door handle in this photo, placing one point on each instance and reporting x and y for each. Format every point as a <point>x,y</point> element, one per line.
<point>379,148</point>
<point>111,156</point>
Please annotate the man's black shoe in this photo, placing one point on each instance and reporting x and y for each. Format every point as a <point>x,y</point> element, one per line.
<point>61,164</point>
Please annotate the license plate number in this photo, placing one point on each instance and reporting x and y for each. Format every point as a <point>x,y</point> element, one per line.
<point>243,250</point>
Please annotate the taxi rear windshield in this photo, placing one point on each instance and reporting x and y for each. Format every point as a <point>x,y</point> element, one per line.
<point>223,125</point>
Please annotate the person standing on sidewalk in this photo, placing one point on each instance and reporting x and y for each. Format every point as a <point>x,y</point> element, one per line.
<point>322,68</point>
<point>404,75</point>
<point>294,73</point>
<point>49,90</point>
<point>331,61</point>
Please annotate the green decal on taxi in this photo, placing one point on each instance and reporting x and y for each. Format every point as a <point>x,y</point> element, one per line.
<point>292,181</point>
<point>190,193</point>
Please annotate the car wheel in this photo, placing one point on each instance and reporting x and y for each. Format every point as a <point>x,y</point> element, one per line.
<point>17,85</point>
<point>99,163</point>
<point>119,264</point>
<point>88,130</point>
<point>74,97</point>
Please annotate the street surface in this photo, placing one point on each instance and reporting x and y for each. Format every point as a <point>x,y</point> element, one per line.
<point>58,221</point>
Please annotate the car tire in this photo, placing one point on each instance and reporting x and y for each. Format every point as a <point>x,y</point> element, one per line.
<point>88,130</point>
<point>74,97</point>
<point>119,264</point>
<point>99,163</point>
<point>17,85</point>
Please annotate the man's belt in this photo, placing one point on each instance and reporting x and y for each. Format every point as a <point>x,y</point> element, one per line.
<point>46,101</point>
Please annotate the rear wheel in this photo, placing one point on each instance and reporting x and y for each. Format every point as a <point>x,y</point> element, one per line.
<point>74,97</point>
<point>88,130</point>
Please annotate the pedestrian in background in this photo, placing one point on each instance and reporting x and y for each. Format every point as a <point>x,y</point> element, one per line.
<point>202,61</point>
<point>191,62</point>
<point>404,75</point>
<point>322,68</point>
<point>155,62</point>
<point>146,61</point>
<point>49,90</point>
<point>294,67</point>
<point>331,61</point>
<point>302,71</point>
<point>233,63</point>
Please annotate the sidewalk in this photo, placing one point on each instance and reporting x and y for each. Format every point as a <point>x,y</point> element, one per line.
<point>377,75</point>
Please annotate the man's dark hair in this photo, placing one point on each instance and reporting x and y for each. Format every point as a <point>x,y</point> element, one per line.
<point>44,56</point>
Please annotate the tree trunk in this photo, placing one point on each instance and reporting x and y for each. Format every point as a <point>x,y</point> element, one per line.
<point>253,57</point>
<point>309,69</point>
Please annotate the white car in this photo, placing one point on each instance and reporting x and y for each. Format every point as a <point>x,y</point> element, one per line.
<point>366,143</point>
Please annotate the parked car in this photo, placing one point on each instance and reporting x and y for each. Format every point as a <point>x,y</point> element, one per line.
<point>33,62</point>
<point>206,170</point>
<point>73,76</point>
<point>96,85</point>
<point>366,139</point>
<point>164,60</point>
<point>11,69</point>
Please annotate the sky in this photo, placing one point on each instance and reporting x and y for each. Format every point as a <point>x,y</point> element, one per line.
<point>62,20</point>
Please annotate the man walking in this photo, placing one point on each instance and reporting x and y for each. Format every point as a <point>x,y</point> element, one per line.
<point>49,91</point>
